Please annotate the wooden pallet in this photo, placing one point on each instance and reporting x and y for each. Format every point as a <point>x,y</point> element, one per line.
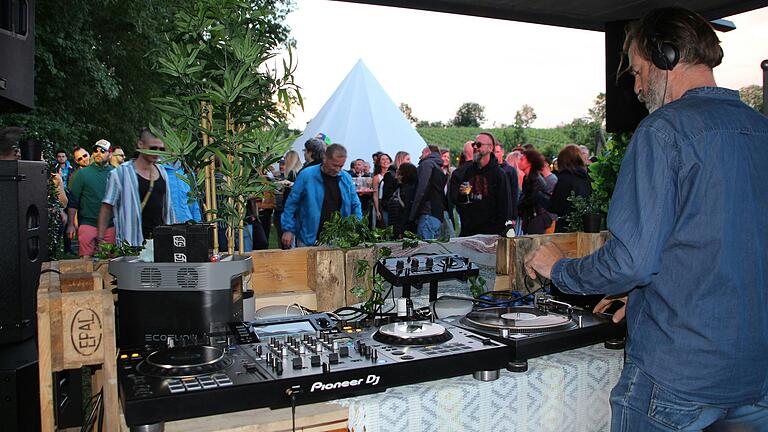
<point>76,327</point>
<point>511,253</point>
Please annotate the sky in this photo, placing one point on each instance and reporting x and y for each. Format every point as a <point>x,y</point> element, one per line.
<point>434,62</point>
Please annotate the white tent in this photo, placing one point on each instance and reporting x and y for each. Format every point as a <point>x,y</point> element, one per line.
<point>361,116</point>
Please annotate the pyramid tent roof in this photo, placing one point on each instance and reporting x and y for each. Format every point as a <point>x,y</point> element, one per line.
<point>362,117</point>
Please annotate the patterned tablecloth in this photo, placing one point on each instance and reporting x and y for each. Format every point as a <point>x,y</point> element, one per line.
<point>560,392</point>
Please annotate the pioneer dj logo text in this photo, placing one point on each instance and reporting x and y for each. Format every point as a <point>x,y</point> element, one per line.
<point>370,379</point>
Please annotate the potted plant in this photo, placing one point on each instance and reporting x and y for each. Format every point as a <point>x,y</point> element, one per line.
<point>228,103</point>
<point>585,215</point>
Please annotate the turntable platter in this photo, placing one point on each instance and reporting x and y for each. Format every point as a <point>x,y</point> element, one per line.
<point>185,361</point>
<point>517,319</point>
<point>412,333</point>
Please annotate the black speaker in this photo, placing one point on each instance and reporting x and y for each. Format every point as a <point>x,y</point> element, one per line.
<point>17,51</point>
<point>623,112</point>
<point>19,388</point>
<point>23,245</point>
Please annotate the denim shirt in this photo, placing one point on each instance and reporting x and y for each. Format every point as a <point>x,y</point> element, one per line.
<point>689,220</point>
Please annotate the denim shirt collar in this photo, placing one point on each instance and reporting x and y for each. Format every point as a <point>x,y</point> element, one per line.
<point>717,92</point>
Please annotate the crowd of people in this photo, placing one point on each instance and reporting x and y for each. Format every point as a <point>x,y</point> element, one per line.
<point>489,192</point>
<point>110,200</point>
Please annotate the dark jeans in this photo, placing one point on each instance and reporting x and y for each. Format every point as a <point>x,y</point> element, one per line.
<point>639,404</point>
<point>261,228</point>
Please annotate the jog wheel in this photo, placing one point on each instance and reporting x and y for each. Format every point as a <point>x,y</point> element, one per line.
<point>412,333</point>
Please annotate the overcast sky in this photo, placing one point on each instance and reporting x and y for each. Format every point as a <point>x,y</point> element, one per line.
<point>435,62</point>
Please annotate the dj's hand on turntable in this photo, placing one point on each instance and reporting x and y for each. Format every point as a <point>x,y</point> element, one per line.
<point>606,304</point>
<point>542,260</point>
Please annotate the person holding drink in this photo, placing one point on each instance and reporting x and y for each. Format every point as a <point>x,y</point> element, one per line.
<point>480,192</point>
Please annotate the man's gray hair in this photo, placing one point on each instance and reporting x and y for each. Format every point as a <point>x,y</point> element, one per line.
<point>334,150</point>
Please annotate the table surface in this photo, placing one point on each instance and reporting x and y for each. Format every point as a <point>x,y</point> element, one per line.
<point>561,392</point>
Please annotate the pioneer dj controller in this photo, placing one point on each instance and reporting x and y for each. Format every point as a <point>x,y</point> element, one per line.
<point>281,361</point>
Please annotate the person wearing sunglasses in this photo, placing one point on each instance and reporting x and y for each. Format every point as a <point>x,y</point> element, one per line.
<point>87,190</point>
<point>480,190</point>
<point>82,157</point>
<point>137,198</point>
<point>118,157</point>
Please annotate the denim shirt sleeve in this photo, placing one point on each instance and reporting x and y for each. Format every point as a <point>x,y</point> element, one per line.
<point>640,219</point>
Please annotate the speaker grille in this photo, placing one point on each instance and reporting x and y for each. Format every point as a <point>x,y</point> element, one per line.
<point>150,277</point>
<point>187,277</point>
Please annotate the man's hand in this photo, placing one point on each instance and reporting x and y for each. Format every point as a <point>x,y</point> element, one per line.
<point>287,239</point>
<point>542,260</point>
<point>607,302</point>
<point>71,231</point>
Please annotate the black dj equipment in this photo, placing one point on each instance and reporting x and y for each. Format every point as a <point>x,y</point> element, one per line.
<point>24,240</point>
<point>17,51</point>
<point>418,269</point>
<point>547,327</point>
<point>183,243</point>
<point>183,301</point>
<point>296,360</point>
<point>19,387</point>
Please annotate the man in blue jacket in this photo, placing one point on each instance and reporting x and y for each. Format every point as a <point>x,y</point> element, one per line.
<point>689,242</point>
<point>319,191</point>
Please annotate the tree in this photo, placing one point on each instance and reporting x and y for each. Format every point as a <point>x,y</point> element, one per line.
<point>525,116</point>
<point>597,112</point>
<point>752,95</point>
<point>408,113</point>
<point>470,114</point>
<point>93,70</point>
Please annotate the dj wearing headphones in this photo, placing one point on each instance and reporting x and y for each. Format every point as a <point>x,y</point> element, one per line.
<point>689,246</point>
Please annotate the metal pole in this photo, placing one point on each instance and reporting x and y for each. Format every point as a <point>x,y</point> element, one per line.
<point>764,65</point>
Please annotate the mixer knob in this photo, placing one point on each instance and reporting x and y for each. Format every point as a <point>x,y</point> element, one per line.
<point>319,347</point>
<point>414,264</point>
<point>429,264</point>
<point>326,368</point>
<point>335,345</point>
<point>302,350</point>
<point>284,351</point>
<point>279,368</point>
<point>375,355</point>
<point>399,265</point>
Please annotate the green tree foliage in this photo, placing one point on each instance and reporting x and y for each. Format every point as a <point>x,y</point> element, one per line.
<point>525,116</point>
<point>469,114</point>
<point>752,95</point>
<point>597,112</point>
<point>605,171</point>
<point>93,70</point>
<point>408,113</point>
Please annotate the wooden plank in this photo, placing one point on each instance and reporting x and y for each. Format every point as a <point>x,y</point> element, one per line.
<point>503,246</point>
<point>79,282</point>
<point>109,353</point>
<point>75,266</point>
<point>351,257</point>
<point>280,270</point>
<point>587,243</point>
<point>44,352</point>
<point>319,417</point>
<point>83,323</point>
<point>306,298</point>
<point>326,277</point>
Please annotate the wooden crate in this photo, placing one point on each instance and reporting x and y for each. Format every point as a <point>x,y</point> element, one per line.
<point>293,276</point>
<point>76,327</point>
<point>511,253</point>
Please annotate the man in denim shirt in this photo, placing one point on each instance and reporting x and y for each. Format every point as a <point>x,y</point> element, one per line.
<point>689,219</point>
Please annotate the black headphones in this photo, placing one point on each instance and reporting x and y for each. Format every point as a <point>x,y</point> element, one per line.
<point>665,55</point>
